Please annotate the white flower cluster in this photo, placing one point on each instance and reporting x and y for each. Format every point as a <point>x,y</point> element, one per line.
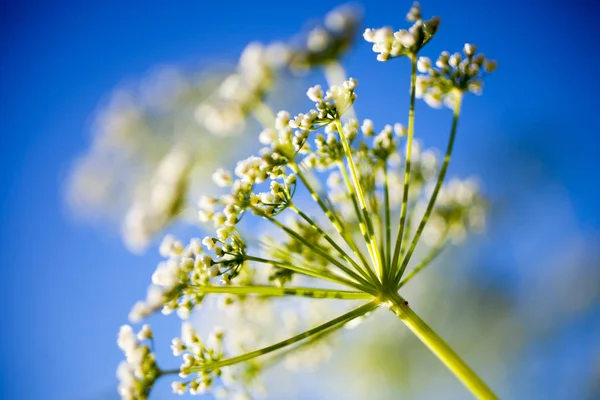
<point>169,280</point>
<point>451,76</point>
<point>389,44</point>
<point>329,106</point>
<point>327,43</point>
<point>195,354</point>
<point>154,208</point>
<point>241,92</point>
<point>138,371</point>
<point>146,144</point>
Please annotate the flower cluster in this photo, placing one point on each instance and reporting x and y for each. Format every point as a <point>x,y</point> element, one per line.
<point>139,371</point>
<point>389,44</point>
<point>164,201</point>
<point>324,44</point>
<point>196,354</point>
<point>144,127</point>
<point>452,75</point>
<point>241,92</point>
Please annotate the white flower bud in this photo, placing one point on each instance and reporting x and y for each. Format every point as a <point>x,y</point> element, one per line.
<point>470,49</point>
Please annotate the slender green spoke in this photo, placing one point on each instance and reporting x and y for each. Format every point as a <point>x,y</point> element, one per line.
<point>318,250</point>
<point>371,240</point>
<point>361,220</point>
<point>440,348</point>
<point>433,253</point>
<point>330,241</point>
<point>388,228</point>
<point>333,324</point>
<point>332,217</point>
<point>436,190</point>
<point>408,228</point>
<point>337,224</point>
<point>276,291</point>
<point>411,130</point>
<point>319,274</point>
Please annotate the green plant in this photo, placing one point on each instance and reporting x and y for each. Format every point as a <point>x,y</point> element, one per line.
<point>350,252</point>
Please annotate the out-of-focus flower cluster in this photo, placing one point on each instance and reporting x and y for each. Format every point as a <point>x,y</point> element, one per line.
<point>149,153</point>
<point>139,370</point>
<point>243,92</point>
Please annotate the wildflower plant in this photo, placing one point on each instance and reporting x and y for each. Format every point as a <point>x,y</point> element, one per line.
<point>377,195</point>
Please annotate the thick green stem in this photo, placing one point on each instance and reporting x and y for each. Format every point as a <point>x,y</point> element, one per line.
<point>440,348</point>
<point>411,130</point>
<point>436,190</point>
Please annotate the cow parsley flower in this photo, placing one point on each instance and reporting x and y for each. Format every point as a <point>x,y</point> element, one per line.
<point>340,246</point>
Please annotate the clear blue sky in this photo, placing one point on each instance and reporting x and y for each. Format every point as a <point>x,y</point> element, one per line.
<point>66,287</point>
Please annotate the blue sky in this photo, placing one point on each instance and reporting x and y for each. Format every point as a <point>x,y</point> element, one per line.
<point>67,287</point>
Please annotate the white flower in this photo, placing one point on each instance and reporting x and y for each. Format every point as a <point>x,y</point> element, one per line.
<point>318,40</point>
<point>177,347</point>
<point>222,178</point>
<point>178,388</point>
<point>315,93</point>
<point>367,127</point>
<point>424,64</point>
<point>126,339</point>
<point>144,333</point>
<point>470,49</point>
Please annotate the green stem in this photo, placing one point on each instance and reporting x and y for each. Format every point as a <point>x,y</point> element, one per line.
<point>329,240</point>
<point>411,130</point>
<point>275,291</point>
<point>341,320</point>
<point>335,221</point>
<point>361,221</point>
<point>322,274</point>
<point>371,240</point>
<point>440,348</point>
<point>388,228</point>
<point>321,252</point>
<point>436,190</point>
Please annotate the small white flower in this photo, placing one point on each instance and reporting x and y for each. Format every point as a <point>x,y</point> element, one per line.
<point>177,347</point>
<point>178,388</point>
<point>470,49</point>
<point>424,64</point>
<point>315,93</point>
<point>222,178</point>
<point>367,127</point>
<point>126,339</point>
<point>145,333</point>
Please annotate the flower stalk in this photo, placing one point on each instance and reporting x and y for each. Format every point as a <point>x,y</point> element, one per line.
<point>440,348</point>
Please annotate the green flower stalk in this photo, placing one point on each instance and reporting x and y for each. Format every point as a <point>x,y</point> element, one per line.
<point>355,180</point>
